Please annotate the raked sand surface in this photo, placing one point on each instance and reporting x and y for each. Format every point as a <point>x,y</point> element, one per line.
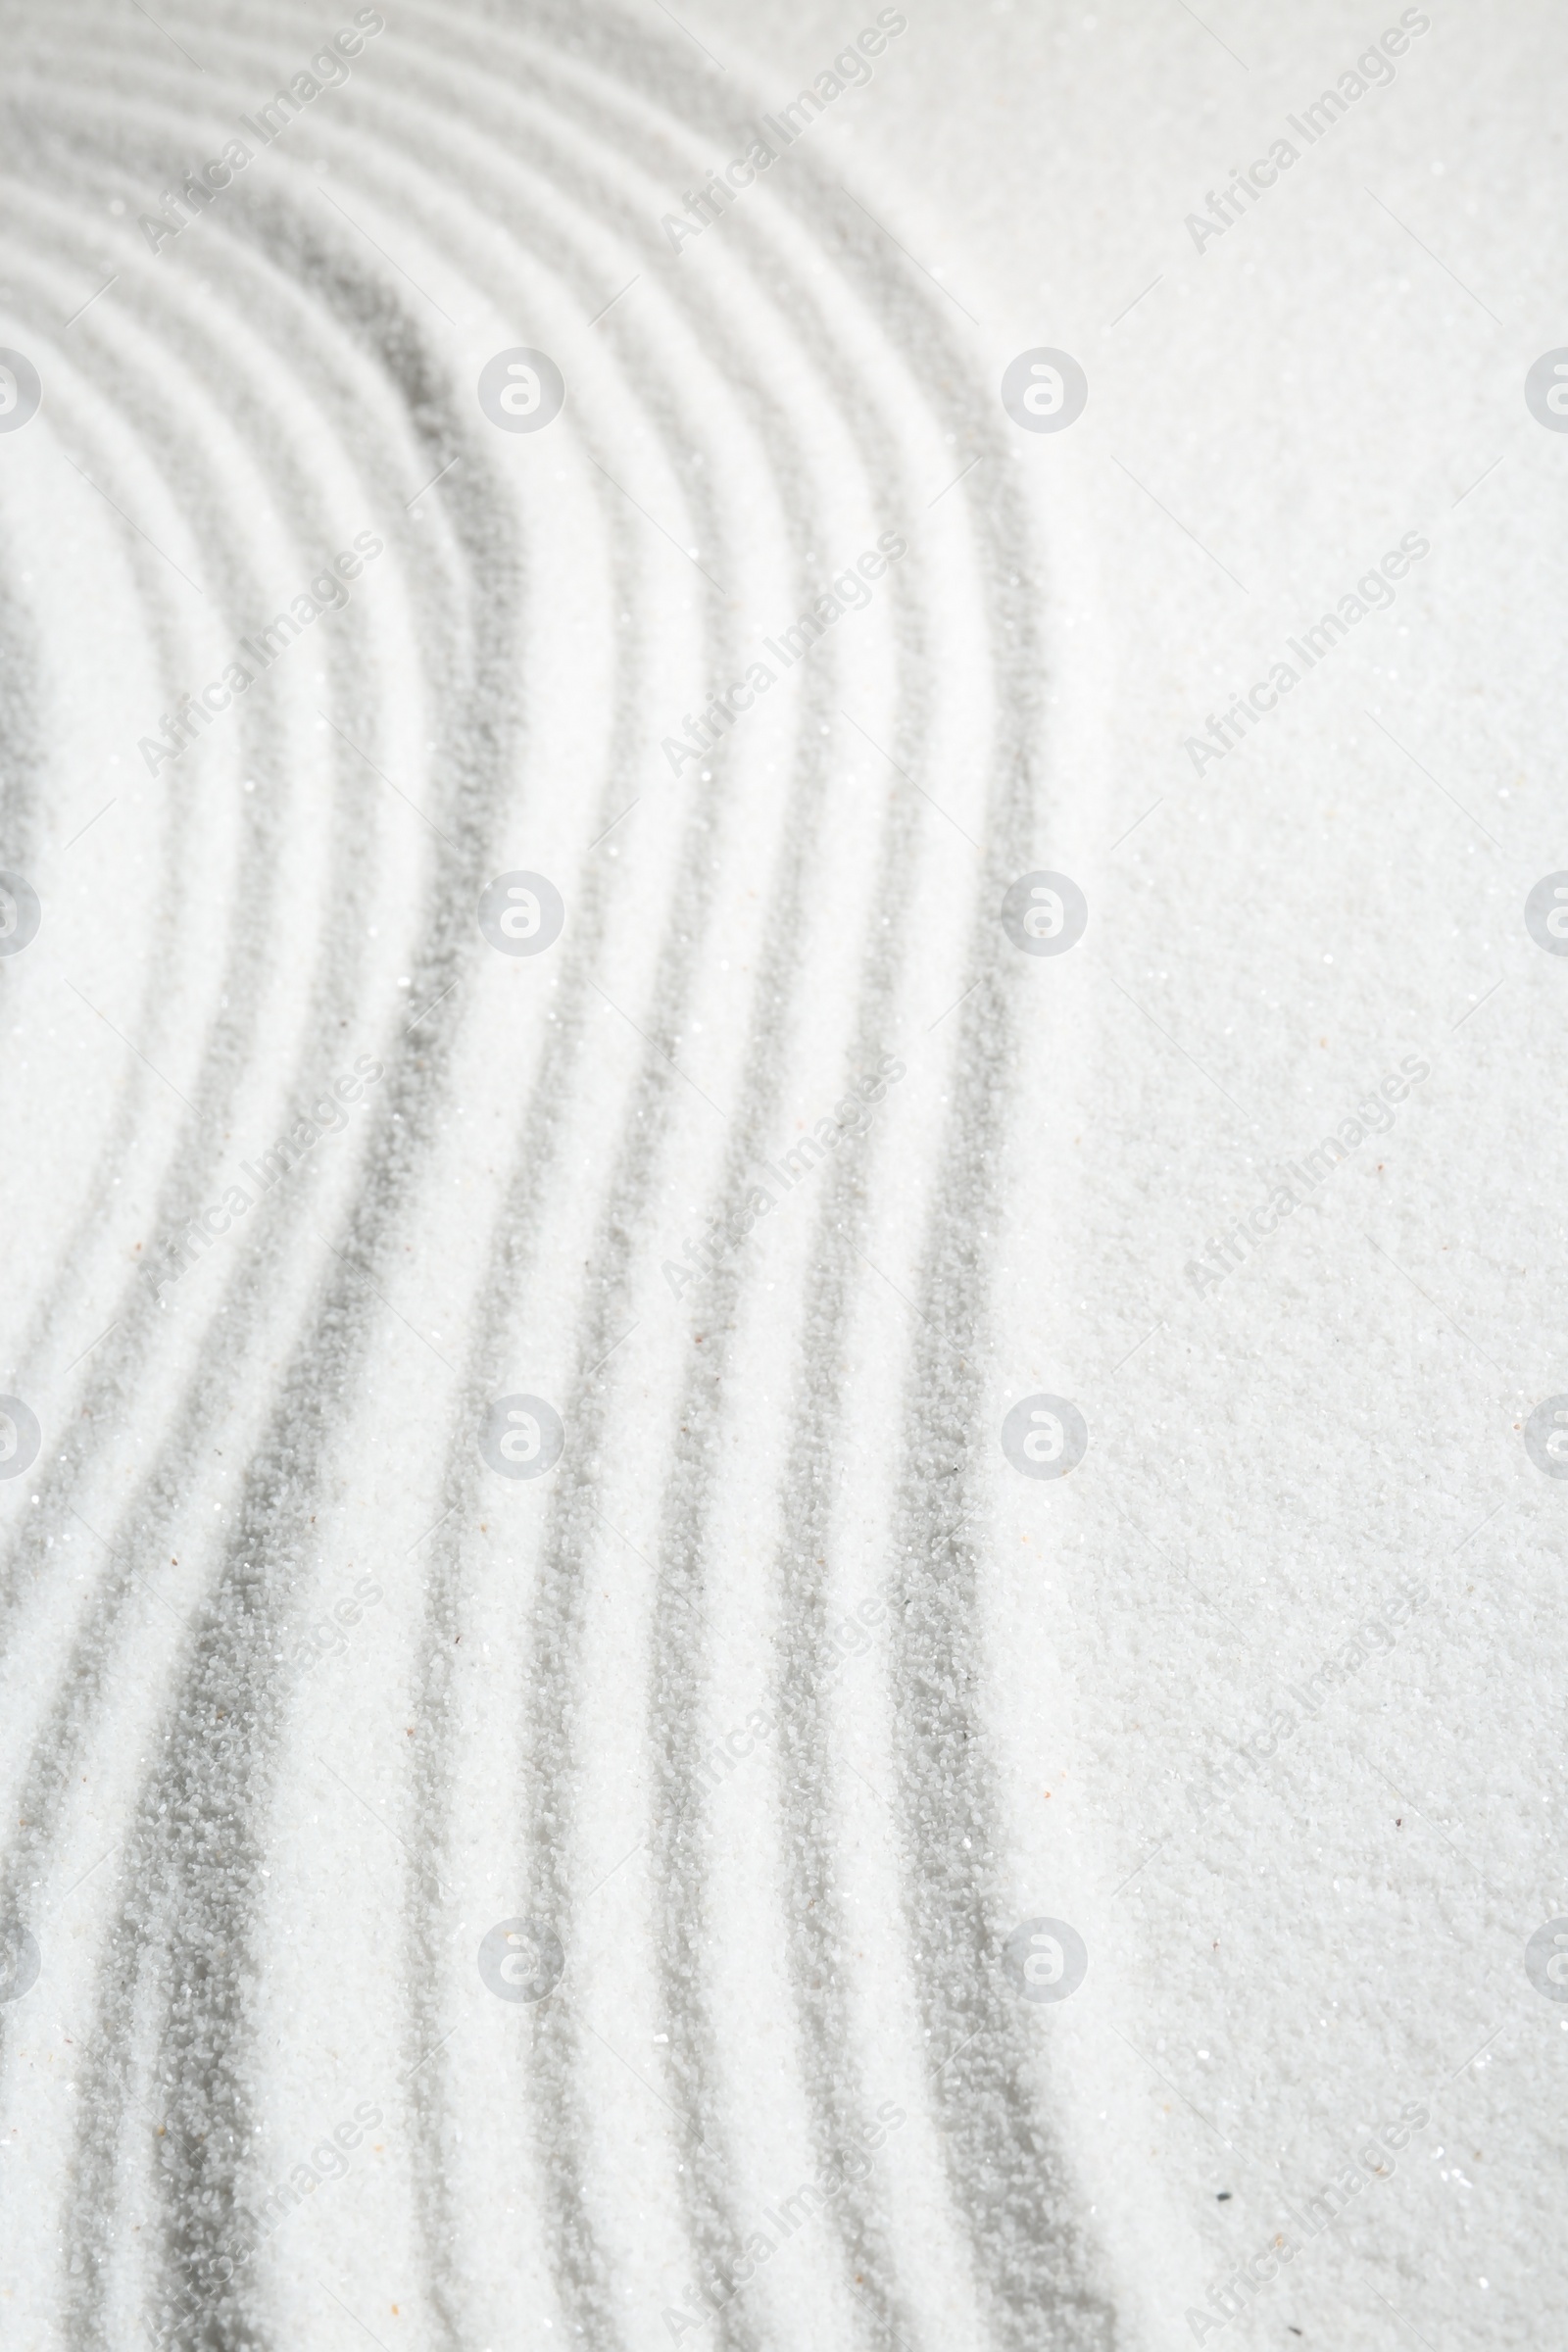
<point>783,1009</point>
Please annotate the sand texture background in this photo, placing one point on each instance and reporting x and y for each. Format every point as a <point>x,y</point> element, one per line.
<point>783,1008</point>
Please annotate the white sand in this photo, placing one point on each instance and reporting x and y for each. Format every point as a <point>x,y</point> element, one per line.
<point>770,1711</point>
